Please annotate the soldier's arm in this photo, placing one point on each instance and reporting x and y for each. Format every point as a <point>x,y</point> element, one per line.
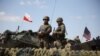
<point>40,29</point>
<point>48,30</point>
<point>62,30</point>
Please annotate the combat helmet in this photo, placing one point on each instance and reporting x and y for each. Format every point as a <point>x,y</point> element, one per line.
<point>59,19</point>
<point>46,18</point>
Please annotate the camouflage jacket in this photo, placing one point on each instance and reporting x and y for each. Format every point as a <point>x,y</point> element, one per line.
<point>45,29</point>
<point>60,31</point>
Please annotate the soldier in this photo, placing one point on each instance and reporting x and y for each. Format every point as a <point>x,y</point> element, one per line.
<point>44,32</point>
<point>59,33</point>
<point>77,40</point>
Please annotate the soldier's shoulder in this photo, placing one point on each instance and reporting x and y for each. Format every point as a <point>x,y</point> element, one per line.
<point>48,25</point>
<point>62,25</point>
<point>41,25</point>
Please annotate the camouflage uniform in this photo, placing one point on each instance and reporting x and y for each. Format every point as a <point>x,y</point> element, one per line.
<point>59,33</point>
<point>44,32</point>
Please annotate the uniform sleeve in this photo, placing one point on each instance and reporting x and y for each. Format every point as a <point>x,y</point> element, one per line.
<point>49,30</point>
<point>40,29</point>
<point>62,30</point>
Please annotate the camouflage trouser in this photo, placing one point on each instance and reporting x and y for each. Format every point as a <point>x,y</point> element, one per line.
<point>57,43</point>
<point>43,43</point>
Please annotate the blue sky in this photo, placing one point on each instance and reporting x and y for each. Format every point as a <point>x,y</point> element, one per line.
<point>76,14</point>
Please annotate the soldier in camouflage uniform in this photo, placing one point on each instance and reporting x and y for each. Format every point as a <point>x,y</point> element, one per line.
<point>59,33</point>
<point>44,32</point>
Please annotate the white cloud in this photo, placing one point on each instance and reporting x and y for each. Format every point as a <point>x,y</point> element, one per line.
<point>8,18</point>
<point>2,13</point>
<point>35,3</point>
<point>83,17</point>
<point>40,3</point>
<point>93,16</point>
<point>76,17</point>
<point>22,3</point>
<point>29,2</point>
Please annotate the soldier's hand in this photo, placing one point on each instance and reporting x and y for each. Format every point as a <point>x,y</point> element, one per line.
<point>40,33</point>
<point>54,33</point>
